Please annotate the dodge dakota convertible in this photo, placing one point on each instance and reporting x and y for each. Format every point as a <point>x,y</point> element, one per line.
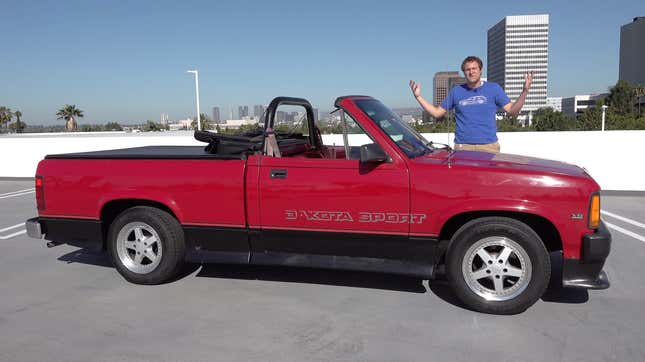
<point>382,199</point>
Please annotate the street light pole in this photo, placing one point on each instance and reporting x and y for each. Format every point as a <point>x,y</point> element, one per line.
<point>199,123</point>
<point>603,117</point>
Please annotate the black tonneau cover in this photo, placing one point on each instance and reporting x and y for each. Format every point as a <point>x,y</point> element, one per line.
<point>150,152</point>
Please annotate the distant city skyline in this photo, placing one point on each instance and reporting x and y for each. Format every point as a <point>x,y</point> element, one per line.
<point>127,61</point>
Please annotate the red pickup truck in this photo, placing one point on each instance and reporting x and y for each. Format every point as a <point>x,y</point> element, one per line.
<point>384,200</point>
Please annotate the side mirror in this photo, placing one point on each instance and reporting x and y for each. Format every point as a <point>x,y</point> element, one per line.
<point>372,153</point>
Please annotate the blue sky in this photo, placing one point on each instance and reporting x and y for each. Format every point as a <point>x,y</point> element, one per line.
<point>127,60</point>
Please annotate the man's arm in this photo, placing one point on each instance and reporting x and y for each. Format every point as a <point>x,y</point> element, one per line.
<point>435,111</point>
<point>514,108</point>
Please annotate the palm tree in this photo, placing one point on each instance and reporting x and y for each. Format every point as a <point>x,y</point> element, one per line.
<point>68,112</point>
<point>5,115</point>
<point>205,121</point>
<point>19,125</point>
<point>639,92</point>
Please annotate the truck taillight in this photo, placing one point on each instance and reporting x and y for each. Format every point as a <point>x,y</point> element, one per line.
<point>40,193</point>
<point>594,211</point>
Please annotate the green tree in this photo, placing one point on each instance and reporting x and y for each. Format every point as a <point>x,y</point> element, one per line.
<point>69,113</point>
<point>205,121</point>
<point>5,116</point>
<point>621,98</point>
<point>18,126</point>
<point>511,124</point>
<point>113,126</point>
<point>639,93</point>
<point>442,126</point>
<point>546,119</point>
<point>590,119</point>
<point>152,126</point>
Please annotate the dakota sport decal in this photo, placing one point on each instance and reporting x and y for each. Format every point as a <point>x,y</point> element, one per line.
<point>363,217</point>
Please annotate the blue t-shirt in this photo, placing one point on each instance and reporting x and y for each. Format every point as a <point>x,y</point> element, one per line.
<point>475,111</point>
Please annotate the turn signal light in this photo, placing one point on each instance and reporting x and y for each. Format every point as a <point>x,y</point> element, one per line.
<point>40,193</point>
<point>594,211</point>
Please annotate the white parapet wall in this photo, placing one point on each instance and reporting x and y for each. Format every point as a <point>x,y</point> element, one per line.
<point>613,158</point>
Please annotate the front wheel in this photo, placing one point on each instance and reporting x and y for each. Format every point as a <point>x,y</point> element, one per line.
<point>498,265</point>
<point>146,245</point>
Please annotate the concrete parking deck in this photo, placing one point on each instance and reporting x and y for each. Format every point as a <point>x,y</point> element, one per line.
<point>68,304</point>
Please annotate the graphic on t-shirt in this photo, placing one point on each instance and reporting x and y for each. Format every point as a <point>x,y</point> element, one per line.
<point>473,100</point>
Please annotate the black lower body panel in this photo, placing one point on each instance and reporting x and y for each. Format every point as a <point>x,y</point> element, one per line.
<point>394,266</point>
<point>587,272</point>
<point>398,254</point>
<point>77,232</point>
<point>577,274</point>
<point>217,245</point>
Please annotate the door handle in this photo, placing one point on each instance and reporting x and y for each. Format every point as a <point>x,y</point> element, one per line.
<point>278,173</point>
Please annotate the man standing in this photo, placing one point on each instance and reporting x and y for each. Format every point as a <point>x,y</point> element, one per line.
<point>475,104</point>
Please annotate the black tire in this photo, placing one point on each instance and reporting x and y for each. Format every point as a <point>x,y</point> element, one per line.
<point>476,232</point>
<point>171,239</point>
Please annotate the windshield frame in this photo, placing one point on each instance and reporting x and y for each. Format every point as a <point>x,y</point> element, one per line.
<point>411,142</point>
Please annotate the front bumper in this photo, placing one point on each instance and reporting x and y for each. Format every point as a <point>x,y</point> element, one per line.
<point>587,272</point>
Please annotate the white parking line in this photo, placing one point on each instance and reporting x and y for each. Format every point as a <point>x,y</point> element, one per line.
<point>20,194</point>
<point>626,232</point>
<point>12,235</point>
<point>16,192</point>
<point>622,218</point>
<point>12,227</point>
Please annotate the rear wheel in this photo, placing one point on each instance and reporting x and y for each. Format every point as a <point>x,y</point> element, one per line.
<point>146,245</point>
<point>498,265</point>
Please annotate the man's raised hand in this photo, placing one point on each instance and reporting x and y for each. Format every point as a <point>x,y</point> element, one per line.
<point>416,88</point>
<point>528,79</point>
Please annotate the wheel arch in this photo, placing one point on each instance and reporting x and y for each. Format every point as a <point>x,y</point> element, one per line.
<point>113,208</point>
<point>545,229</point>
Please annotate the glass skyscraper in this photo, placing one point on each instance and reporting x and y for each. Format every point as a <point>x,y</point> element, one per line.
<point>516,45</point>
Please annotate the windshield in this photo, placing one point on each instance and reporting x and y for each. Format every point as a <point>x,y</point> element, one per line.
<point>406,138</point>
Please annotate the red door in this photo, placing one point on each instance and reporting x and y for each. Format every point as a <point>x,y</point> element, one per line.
<point>320,211</point>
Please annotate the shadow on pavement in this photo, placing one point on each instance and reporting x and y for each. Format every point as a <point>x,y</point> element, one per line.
<point>441,288</point>
<point>314,276</point>
<point>86,256</point>
<point>555,293</point>
<point>97,258</point>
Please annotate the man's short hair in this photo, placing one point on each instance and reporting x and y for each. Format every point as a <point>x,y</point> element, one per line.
<point>469,59</point>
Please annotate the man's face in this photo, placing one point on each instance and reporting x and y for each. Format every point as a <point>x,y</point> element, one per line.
<point>472,72</point>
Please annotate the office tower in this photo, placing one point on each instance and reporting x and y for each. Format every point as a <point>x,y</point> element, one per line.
<point>216,116</point>
<point>440,85</point>
<point>555,103</point>
<point>258,111</point>
<point>242,111</point>
<point>516,45</point>
<point>455,81</point>
<point>576,105</point>
<point>632,52</point>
